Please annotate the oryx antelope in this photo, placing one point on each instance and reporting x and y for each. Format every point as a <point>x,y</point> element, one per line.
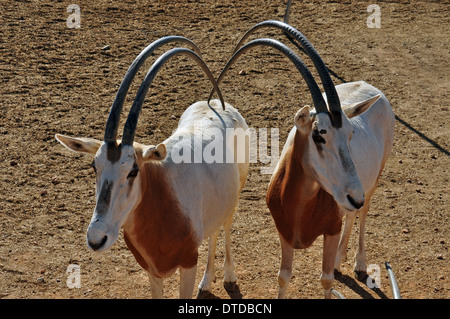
<point>330,164</point>
<point>165,206</point>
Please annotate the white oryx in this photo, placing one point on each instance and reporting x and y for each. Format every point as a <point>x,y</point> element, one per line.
<point>330,164</point>
<point>166,207</point>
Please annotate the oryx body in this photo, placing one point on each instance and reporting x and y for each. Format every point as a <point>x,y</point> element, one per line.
<point>331,161</point>
<point>301,200</point>
<point>166,197</point>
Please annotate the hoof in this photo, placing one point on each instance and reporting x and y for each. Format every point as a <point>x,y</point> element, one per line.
<point>230,286</point>
<point>361,275</point>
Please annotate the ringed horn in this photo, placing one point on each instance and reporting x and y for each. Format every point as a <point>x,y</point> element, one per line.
<point>316,94</point>
<point>112,123</point>
<point>334,103</point>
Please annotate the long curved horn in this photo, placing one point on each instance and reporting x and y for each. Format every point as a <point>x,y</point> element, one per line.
<point>131,123</point>
<point>114,114</point>
<point>330,90</point>
<point>316,94</point>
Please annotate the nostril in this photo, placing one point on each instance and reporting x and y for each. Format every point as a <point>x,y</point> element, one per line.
<point>97,245</point>
<point>355,204</point>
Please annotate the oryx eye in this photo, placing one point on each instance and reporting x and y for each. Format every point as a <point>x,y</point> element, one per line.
<point>134,172</point>
<point>317,138</point>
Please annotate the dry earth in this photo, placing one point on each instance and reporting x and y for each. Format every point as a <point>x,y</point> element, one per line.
<point>55,79</point>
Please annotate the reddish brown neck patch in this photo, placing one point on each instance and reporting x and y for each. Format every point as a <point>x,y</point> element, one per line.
<point>300,215</point>
<point>161,232</point>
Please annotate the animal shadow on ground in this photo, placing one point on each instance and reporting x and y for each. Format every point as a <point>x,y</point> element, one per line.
<point>232,290</point>
<point>356,287</point>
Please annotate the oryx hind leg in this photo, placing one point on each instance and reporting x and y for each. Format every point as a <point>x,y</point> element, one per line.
<point>209,276</point>
<point>229,280</point>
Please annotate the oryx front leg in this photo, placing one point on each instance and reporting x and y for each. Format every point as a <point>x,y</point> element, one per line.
<point>330,245</point>
<point>285,272</point>
<point>156,286</point>
<point>209,276</point>
<point>343,244</point>
<point>187,282</point>
<point>360,258</point>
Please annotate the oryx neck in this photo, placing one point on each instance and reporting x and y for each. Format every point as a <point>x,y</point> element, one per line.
<point>298,181</point>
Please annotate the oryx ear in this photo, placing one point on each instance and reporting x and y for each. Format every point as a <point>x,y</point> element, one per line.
<point>155,153</point>
<point>358,108</point>
<point>302,118</point>
<point>79,144</point>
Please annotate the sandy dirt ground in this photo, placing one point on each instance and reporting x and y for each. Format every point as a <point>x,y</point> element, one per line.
<point>56,79</point>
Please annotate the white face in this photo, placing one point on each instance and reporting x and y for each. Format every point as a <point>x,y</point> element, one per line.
<point>328,158</point>
<point>117,194</point>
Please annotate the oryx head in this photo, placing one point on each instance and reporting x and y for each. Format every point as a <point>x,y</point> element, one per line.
<point>120,164</point>
<point>328,129</point>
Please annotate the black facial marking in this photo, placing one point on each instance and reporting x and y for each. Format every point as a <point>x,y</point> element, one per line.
<point>346,162</point>
<point>104,198</point>
<point>317,138</point>
<point>113,152</point>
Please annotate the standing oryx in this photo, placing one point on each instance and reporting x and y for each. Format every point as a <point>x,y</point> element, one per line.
<point>165,205</point>
<point>330,164</point>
